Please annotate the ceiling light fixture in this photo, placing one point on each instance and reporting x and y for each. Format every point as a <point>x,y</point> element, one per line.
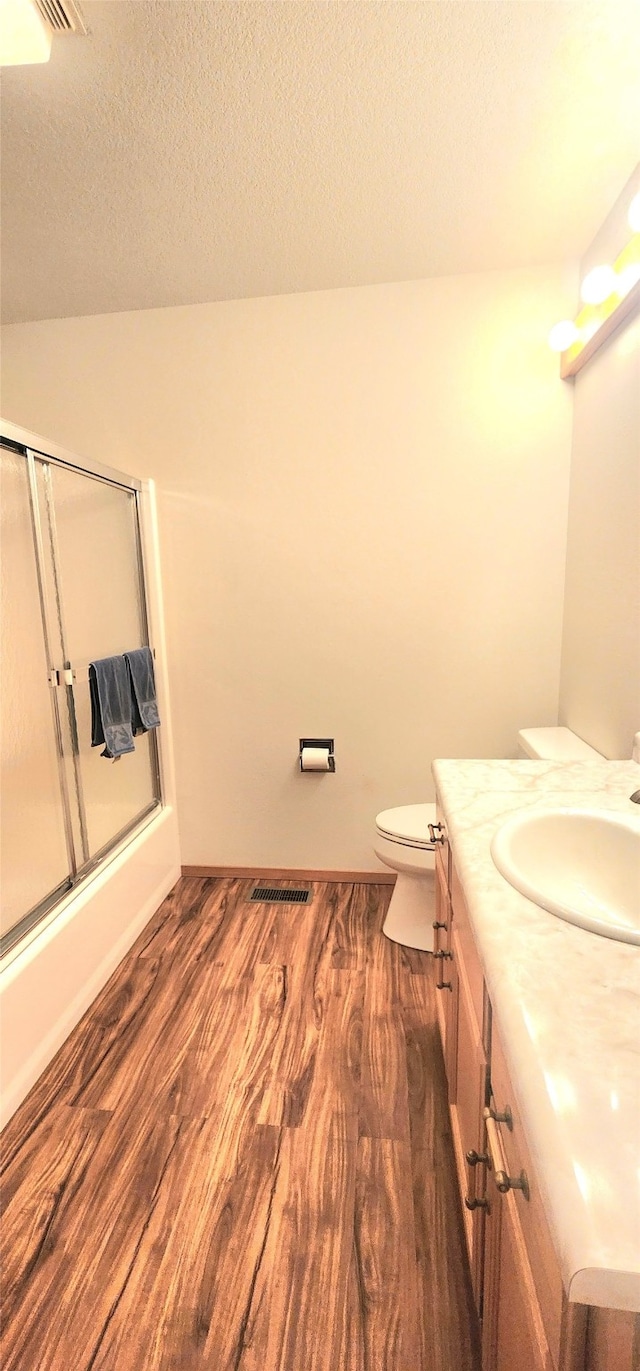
<point>25,38</point>
<point>27,28</point>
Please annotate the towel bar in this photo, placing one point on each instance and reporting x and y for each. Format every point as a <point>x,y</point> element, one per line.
<point>76,674</point>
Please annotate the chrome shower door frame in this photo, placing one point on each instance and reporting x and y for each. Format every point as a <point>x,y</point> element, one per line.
<point>62,675</point>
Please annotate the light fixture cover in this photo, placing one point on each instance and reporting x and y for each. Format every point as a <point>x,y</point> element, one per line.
<point>598,285</point>
<point>628,278</point>
<point>24,36</point>
<point>563,335</point>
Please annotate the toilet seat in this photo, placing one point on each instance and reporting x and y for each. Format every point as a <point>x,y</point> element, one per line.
<point>408,826</point>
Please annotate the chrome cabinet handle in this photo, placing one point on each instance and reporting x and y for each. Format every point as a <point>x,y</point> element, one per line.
<point>503,1181</point>
<point>439,925</point>
<point>440,836</point>
<point>476,1204</point>
<point>444,955</point>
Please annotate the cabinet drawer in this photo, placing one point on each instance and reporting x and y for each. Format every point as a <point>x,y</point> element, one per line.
<point>442,942</point>
<point>442,863</point>
<point>543,1261</point>
<point>443,908</point>
<point>443,850</point>
<point>468,954</point>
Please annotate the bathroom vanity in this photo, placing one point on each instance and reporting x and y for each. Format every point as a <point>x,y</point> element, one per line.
<point>540,1027</point>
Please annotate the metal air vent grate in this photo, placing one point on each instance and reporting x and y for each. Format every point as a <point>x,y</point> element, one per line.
<point>63,16</point>
<point>272,894</point>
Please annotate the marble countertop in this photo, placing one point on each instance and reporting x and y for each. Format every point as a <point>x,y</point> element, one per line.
<point>567,1006</point>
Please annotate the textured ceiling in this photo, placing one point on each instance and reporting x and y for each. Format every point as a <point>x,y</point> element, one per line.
<point>187,152</point>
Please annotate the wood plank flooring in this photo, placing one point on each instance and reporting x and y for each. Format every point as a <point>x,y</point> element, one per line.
<point>240,1160</point>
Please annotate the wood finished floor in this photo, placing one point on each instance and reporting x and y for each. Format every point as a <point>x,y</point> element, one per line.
<point>240,1160</point>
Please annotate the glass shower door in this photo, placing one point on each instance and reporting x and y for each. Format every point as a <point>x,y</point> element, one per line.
<point>72,591</point>
<point>93,531</point>
<point>36,849</point>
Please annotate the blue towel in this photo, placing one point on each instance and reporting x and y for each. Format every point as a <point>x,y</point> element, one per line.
<point>143,690</point>
<point>111,706</point>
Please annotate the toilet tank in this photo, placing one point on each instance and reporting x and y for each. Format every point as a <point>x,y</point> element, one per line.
<point>555,745</point>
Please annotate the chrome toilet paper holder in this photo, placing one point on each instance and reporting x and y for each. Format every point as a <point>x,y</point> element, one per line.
<point>318,742</point>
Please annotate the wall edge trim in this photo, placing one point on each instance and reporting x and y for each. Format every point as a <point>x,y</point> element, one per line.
<point>283,873</point>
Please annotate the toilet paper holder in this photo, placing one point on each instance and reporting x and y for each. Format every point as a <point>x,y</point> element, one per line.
<point>318,742</point>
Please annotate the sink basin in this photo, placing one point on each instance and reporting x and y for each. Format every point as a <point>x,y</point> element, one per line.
<point>582,865</point>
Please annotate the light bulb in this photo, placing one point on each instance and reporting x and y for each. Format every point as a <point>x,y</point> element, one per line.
<point>563,335</point>
<point>598,285</point>
<point>634,214</point>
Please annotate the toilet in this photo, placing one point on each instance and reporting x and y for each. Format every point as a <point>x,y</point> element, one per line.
<point>402,842</point>
<point>555,745</point>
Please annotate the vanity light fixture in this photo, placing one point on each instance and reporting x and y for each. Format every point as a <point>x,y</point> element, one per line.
<point>628,278</point>
<point>598,285</point>
<point>609,294</point>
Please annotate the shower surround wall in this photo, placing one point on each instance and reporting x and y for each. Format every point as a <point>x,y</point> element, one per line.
<point>363,509</point>
<point>50,977</point>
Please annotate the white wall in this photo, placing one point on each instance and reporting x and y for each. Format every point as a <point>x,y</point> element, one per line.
<point>600,677</point>
<point>363,504</point>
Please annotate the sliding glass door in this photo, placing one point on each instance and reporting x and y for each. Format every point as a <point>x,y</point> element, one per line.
<point>72,592</point>
<point>36,852</point>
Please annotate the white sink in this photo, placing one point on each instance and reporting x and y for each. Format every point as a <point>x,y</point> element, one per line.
<point>581,864</point>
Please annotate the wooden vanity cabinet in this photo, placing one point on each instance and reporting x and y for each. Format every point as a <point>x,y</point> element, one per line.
<point>523,1295</point>
<point>512,1331</point>
<point>469,1093</point>
<point>447,1018</point>
<point>527,1324</point>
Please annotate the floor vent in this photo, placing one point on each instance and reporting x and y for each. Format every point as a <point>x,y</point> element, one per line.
<point>272,894</point>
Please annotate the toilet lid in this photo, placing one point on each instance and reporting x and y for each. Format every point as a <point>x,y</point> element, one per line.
<point>407,824</point>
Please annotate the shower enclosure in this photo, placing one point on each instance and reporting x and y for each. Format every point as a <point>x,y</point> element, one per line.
<point>72,591</point>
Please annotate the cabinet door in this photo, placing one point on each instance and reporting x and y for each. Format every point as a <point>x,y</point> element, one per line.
<point>542,1258</point>
<point>513,1334</point>
<point>444,986</point>
<point>466,1116</point>
<point>523,1288</point>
